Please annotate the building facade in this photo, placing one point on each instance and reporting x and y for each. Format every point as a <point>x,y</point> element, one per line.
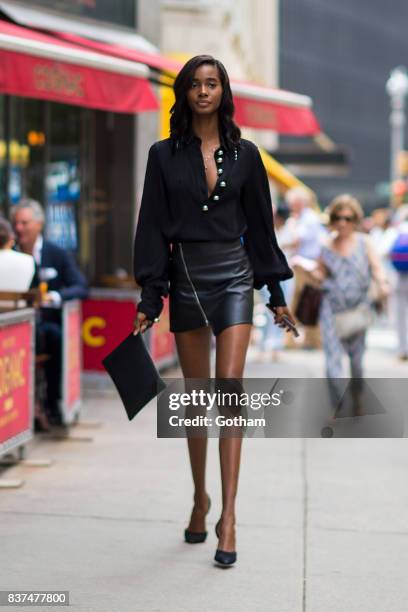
<point>241,33</point>
<point>341,54</point>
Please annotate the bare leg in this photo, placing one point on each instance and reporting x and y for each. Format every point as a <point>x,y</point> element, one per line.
<point>193,349</point>
<point>232,345</point>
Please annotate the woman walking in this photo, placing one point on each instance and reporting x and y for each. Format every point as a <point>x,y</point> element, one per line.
<point>348,264</point>
<point>205,235</point>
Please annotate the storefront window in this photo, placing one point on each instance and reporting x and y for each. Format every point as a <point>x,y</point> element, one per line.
<point>113,207</point>
<point>40,155</point>
<point>22,142</point>
<point>62,175</point>
<point>79,164</point>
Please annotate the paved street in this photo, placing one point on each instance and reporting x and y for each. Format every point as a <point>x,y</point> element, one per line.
<point>322,524</point>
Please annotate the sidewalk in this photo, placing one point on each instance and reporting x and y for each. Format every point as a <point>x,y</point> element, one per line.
<point>322,524</point>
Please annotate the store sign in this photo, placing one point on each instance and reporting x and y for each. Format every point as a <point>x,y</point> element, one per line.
<point>16,384</point>
<point>56,78</point>
<point>120,12</point>
<point>282,118</point>
<point>26,76</point>
<point>257,114</point>
<point>105,324</point>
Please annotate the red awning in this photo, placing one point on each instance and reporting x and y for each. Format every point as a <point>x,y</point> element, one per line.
<point>41,66</point>
<point>256,107</point>
<point>264,108</point>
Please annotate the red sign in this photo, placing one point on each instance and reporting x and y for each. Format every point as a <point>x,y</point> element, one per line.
<point>58,79</point>
<point>16,384</point>
<point>73,353</point>
<point>105,324</point>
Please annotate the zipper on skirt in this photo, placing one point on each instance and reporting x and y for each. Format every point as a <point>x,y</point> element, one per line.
<point>192,286</point>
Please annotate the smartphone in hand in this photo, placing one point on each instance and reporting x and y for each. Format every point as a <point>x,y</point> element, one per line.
<point>289,325</point>
<point>286,321</point>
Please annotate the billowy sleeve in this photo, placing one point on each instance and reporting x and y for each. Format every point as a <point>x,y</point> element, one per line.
<point>151,248</point>
<point>268,261</point>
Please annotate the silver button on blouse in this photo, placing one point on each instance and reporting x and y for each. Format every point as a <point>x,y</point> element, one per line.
<point>216,198</point>
<point>205,207</point>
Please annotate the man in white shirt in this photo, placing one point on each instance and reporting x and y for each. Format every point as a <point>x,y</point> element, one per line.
<point>56,268</point>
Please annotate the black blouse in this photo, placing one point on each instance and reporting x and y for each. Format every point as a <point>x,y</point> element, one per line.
<point>176,207</point>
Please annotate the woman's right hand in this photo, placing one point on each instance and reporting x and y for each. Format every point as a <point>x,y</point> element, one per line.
<point>141,323</point>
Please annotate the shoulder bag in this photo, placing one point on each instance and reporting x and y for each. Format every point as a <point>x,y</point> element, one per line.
<point>307,310</point>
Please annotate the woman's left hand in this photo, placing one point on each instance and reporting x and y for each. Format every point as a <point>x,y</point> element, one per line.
<point>141,324</point>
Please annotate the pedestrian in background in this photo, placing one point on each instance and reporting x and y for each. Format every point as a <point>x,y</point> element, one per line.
<point>383,234</point>
<point>56,268</point>
<point>398,254</point>
<point>308,231</point>
<point>206,193</point>
<point>347,263</point>
<point>16,269</point>
<point>272,336</point>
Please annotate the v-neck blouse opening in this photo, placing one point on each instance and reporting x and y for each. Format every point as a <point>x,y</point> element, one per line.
<point>213,191</point>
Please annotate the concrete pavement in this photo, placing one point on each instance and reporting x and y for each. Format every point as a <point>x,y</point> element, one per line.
<point>322,524</point>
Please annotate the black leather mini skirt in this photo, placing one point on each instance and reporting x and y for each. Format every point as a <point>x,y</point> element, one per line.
<point>211,284</point>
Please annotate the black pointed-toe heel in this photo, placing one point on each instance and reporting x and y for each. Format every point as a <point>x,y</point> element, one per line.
<point>196,537</point>
<point>223,557</point>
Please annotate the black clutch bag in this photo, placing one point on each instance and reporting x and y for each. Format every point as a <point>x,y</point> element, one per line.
<point>134,374</point>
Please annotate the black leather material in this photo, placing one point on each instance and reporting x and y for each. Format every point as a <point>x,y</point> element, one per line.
<point>211,283</point>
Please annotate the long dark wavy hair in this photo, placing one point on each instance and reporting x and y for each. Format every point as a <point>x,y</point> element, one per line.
<point>181,115</point>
